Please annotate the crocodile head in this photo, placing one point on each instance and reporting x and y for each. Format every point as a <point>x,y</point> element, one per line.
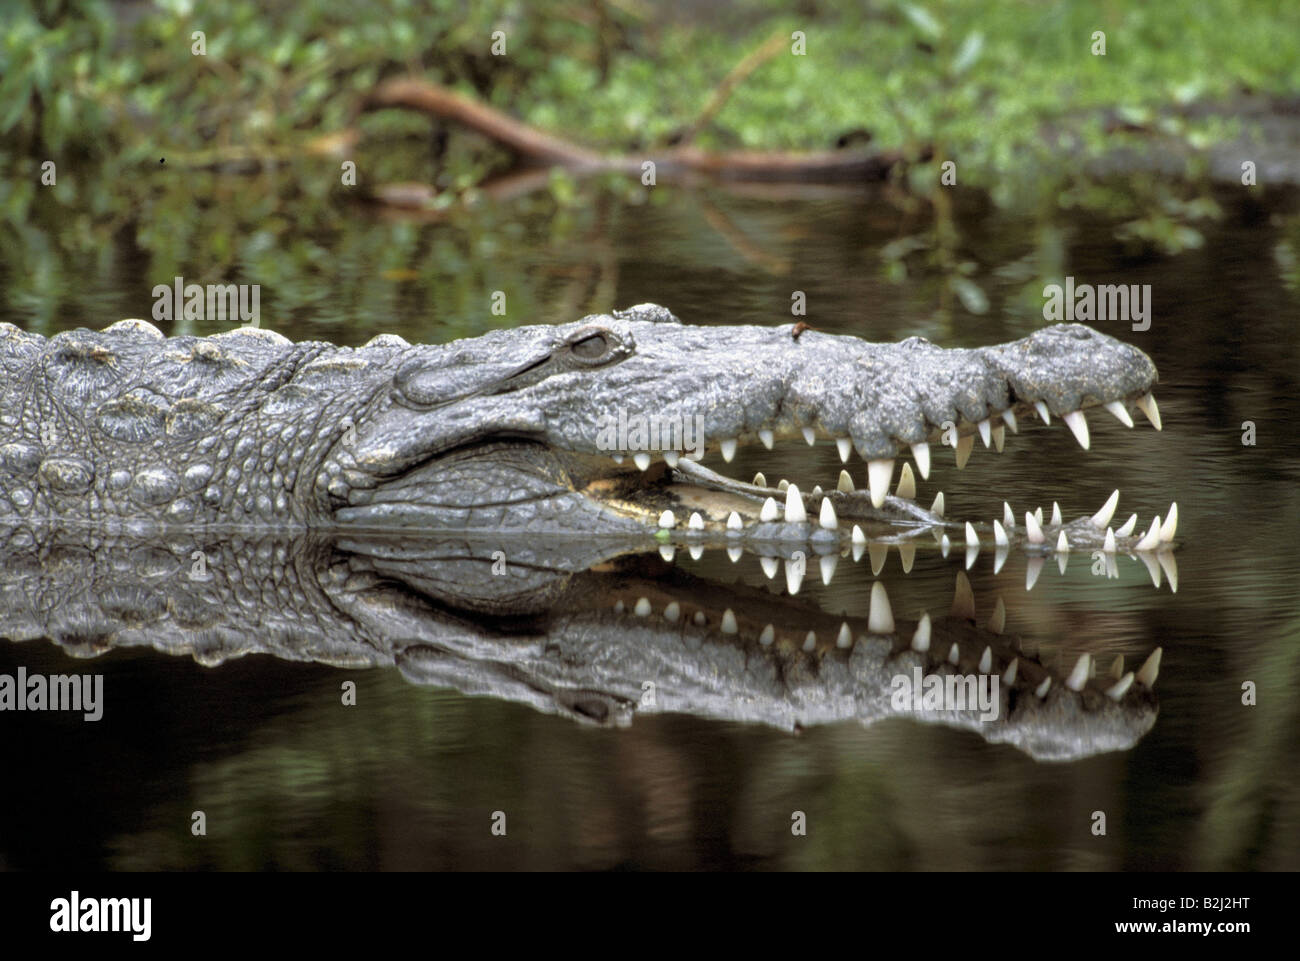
<point>598,425</point>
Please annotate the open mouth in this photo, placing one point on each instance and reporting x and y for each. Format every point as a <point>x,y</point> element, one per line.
<point>676,493</point>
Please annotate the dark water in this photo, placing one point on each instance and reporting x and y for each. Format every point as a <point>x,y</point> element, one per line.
<point>410,777</point>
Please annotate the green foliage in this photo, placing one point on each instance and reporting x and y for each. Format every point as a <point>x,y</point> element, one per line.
<point>1009,91</point>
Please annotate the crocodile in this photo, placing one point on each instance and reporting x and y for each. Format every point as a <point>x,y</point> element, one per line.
<point>566,625</point>
<point>527,430</point>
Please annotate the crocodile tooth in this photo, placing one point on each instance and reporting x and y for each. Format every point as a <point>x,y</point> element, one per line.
<point>1117,690</point>
<point>1170,526</point>
<point>767,438</point>
<point>845,638</point>
<point>1078,424</point>
<point>986,431</point>
<point>642,608</point>
<point>879,474</point>
<point>921,639</point>
<point>906,483</point>
<point>998,622</point>
<point>770,566</point>
<point>827,562</point>
<point>1121,413</point>
<point>937,507</point>
<point>1102,518</point>
<point>921,454</point>
<point>1042,411</point>
<point>1151,539</point>
<point>1032,529</point>
<point>907,554</point>
<point>1109,546</point>
<point>768,636</point>
<point>1062,544</point>
<point>1008,518</point>
<point>699,619</point>
<point>810,641</point>
<point>972,539</point>
<point>642,460</point>
<point>845,486</point>
<point>728,625</point>
<point>1079,676</point>
<point>672,611</point>
<point>986,660</point>
<point>1170,567</point>
<point>1153,568</point>
<point>1000,535</point>
<point>783,485</point>
<point>1129,526</point>
<point>1033,568</point>
<point>965,445</point>
<point>963,598</point>
<point>696,523</point>
<point>734,522</point>
<point>619,607</point>
<point>1009,416</point>
<point>672,457</point>
<point>954,655</point>
<point>1147,674</point>
<point>999,437</point>
<point>768,512</point>
<point>1043,688</point>
<point>760,480</point>
<point>1009,675</point>
<point>1038,515</point>
<point>616,458</point>
<point>810,436</point>
<point>794,509</point>
<point>667,519</point>
<point>734,554</point>
<point>668,552</point>
<point>880,618</point>
<point>879,554</point>
<point>1147,404</point>
<point>1117,667</point>
<point>827,518</point>
<point>728,445</point>
<point>858,536</point>
<point>817,490</point>
<point>794,576</point>
<point>845,447</point>
<point>1056,514</point>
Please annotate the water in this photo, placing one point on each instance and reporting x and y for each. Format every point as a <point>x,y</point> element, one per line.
<point>288,778</point>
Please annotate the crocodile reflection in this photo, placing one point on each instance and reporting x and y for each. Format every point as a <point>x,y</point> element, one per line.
<point>590,630</point>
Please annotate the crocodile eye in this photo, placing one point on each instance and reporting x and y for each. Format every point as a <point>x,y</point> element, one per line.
<point>592,347</point>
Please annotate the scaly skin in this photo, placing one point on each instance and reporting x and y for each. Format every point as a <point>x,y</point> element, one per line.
<point>126,429</point>
<point>570,627</point>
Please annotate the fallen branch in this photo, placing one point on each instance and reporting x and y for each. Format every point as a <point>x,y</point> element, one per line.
<point>536,147</point>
